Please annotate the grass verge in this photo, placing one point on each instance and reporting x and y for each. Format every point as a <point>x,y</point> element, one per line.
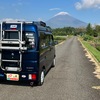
<point>60,38</point>
<point>93,50</point>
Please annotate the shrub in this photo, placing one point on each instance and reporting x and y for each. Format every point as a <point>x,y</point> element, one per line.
<point>87,37</point>
<point>93,50</point>
<point>59,38</point>
<point>98,47</point>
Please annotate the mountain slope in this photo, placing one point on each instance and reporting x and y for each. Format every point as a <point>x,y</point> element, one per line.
<point>63,19</point>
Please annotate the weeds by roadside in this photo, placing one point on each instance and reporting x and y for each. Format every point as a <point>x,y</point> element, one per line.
<point>93,41</point>
<point>90,44</point>
<point>60,38</point>
<point>93,50</point>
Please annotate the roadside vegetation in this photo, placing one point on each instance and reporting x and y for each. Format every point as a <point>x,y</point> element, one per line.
<point>61,34</point>
<point>93,50</point>
<point>91,40</point>
<point>90,37</point>
<point>60,38</point>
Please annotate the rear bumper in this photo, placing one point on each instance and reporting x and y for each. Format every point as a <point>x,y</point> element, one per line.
<point>22,76</point>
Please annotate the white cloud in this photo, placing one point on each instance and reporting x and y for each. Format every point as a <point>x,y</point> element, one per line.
<point>17,4</point>
<point>84,4</point>
<point>62,13</point>
<point>95,24</point>
<point>11,19</point>
<point>54,9</point>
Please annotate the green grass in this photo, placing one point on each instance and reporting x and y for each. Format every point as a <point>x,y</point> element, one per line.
<point>93,50</point>
<point>60,38</point>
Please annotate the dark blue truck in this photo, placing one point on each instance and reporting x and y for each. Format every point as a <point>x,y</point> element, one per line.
<point>27,51</point>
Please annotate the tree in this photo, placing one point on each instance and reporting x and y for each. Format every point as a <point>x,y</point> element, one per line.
<point>80,31</point>
<point>64,31</point>
<point>89,30</point>
<point>97,28</point>
<point>95,34</point>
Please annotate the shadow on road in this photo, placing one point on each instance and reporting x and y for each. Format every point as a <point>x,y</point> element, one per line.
<point>20,83</point>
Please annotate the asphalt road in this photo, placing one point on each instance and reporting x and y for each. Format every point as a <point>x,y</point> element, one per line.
<point>71,79</point>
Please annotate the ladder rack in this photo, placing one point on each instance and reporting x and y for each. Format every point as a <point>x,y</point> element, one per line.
<point>13,42</point>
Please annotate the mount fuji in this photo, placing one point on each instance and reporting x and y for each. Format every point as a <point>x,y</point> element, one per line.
<point>64,19</point>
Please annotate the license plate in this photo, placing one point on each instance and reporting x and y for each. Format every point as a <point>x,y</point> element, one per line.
<point>12,77</point>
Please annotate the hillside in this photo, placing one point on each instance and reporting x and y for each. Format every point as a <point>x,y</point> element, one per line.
<point>63,19</point>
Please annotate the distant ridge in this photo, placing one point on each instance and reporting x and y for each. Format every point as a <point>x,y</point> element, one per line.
<point>64,19</point>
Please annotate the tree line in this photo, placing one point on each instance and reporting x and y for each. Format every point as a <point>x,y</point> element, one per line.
<point>89,30</point>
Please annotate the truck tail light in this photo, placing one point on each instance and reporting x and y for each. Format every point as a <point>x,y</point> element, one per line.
<point>32,76</point>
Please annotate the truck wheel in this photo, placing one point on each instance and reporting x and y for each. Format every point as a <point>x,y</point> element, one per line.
<point>41,79</point>
<point>53,63</point>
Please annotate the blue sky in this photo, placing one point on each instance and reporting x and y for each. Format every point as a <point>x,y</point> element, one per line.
<point>85,10</point>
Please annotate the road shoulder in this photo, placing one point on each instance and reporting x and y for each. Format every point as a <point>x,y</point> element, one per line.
<point>92,59</point>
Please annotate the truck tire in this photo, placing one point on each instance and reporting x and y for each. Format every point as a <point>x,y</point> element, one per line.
<point>53,63</point>
<point>41,78</point>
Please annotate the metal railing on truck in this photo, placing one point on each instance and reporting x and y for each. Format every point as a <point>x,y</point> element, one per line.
<point>19,42</point>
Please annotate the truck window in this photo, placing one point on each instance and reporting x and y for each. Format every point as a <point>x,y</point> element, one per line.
<point>11,35</point>
<point>47,40</point>
<point>42,40</point>
<point>51,41</point>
